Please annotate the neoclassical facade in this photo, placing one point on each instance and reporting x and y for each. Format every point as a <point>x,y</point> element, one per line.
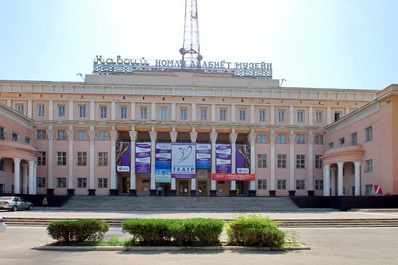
<point>61,137</point>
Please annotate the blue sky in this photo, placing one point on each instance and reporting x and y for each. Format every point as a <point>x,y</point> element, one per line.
<point>311,43</point>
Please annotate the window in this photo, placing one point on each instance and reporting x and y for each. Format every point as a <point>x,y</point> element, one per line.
<point>342,141</point>
<point>61,110</point>
<point>282,161</point>
<point>103,112</point>
<point>242,115</point>
<point>143,113</point>
<point>2,133</point>
<point>330,145</point>
<point>369,165</point>
<point>61,158</point>
<point>41,160</point>
<point>2,189</point>
<point>15,137</point>
<point>61,134</point>
<point>300,116</point>
<point>123,112</point>
<point>27,140</point>
<point>41,182</point>
<point>82,135</point>
<point>368,189</point>
<point>300,161</point>
<point>281,116</point>
<point>203,114</point>
<point>82,158</point>
<point>319,184</point>
<point>183,114</point>
<point>61,182</point>
<point>318,117</point>
<point>261,115</point>
<point>103,136</point>
<point>81,182</point>
<point>2,164</point>
<point>40,111</point>
<point>354,139</point>
<point>19,108</point>
<point>82,111</point>
<point>281,184</point>
<point>337,116</point>
<point>282,139</point>
<point>262,161</point>
<point>261,138</point>
<point>262,184</point>
<point>163,113</point>
<point>102,159</point>
<point>300,139</point>
<point>368,134</point>
<point>102,183</point>
<point>41,135</point>
<point>318,161</point>
<point>319,139</point>
<point>223,115</point>
<point>300,184</point>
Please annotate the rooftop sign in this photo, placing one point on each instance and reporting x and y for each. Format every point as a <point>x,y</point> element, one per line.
<point>121,65</point>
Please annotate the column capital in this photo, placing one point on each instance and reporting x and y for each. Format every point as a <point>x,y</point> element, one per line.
<point>252,138</point>
<point>17,160</point>
<point>173,136</point>
<point>133,135</point>
<point>114,135</point>
<point>194,136</point>
<point>310,138</point>
<point>213,137</point>
<point>357,163</point>
<point>232,137</point>
<point>292,137</point>
<point>91,135</point>
<point>153,135</point>
<point>50,134</point>
<point>71,134</point>
<point>272,137</point>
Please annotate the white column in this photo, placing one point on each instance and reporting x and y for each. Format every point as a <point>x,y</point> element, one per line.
<point>32,177</point>
<point>173,138</point>
<point>91,155</point>
<point>357,165</point>
<point>133,177</point>
<point>252,114</point>
<point>311,138</point>
<point>292,160</point>
<point>194,136</point>
<point>35,179</point>
<point>232,138</point>
<point>50,136</point>
<point>132,111</point>
<point>252,141</point>
<point>114,135</point>
<point>329,119</point>
<point>213,139</point>
<point>340,178</point>
<point>70,158</point>
<point>17,175</point>
<point>333,180</point>
<point>153,134</point>
<point>272,158</point>
<point>92,110</point>
<point>25,178</point>
<point>326,180</point>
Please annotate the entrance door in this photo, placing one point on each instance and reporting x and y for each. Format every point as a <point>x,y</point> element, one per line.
<point>183,188</point>
<point>202,188</point>
<point>240,188</point>
<point>125,185</point>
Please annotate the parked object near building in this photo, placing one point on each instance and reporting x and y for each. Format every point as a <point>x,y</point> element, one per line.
<point>15,203</point>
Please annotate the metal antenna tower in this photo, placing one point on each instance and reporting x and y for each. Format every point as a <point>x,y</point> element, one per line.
<point>190,50</point>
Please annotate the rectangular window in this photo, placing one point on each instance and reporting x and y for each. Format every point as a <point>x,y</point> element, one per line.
<point>61,134</point>
<point>203,114</point>
<point>41,160</point>
<point>19,109</point>
<point>261,115</point>
<point>368,189</point>
<point>41,134</point>
<point>102,183</point>
<point>319,184</point>
<point>27,140</point>
<point>143,113</point>
<point>330,145</point>
<point>183,114</point>
<point>318,117</point>
<point>61,158</point>
<point>300,139</point>
<point>41,182</point>
<point>163,114</point>
<point>123,112</point>
<point>369,165</point>
<point>281,184</point>
<point>262,184</point>
<point>300,184</point>
<point>15,137</point>
<point>281,116</point>
<point>319,139</point>
<point>337,116</point>
<point>40,111</point>
<point>81,182</point>
<point>354,139</point>
<point>223,115</point>
<point>318,161</point>
<point>82,135</point>
<point>61,110</point>
<point>82,111</point>
<point>262,160</point>
<point>103,112</point>
<point>61,182</point>
<point>342,141</point>
<point>102,135</point>
<point>282,139</point>
<point>242,115</point>
<point>282,161</point>
<point>368,134</point>
<point>82,158</point>
<point>300,161</point>
<point>300,116</point>
<point>102,159</point>
<point>261,138</point>
<point>2,133</point>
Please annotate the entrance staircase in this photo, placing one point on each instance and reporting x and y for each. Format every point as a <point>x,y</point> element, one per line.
<point>165,203</point>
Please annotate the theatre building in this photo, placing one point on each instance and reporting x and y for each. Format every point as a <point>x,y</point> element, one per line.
<point>194,133</point>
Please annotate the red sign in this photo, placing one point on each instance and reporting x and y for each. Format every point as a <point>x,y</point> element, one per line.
<point>236,177</point>
<point>378,190</point>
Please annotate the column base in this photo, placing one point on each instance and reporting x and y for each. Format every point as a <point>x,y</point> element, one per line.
<point>113,192</point>
<point>153,193</point>
<point>91,192</point>
<point>311,193</point>
<point>50,192</point>
<point>232,193</point>
<point>133,193</point>
<point>173,193</point>
<point>272,193</point>
<point>292,193</point>
<point>213,193</point>
<point>71,192</point>
<point>252,193</point>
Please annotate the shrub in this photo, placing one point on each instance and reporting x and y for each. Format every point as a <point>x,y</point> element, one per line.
<point>255,230</point>
<point>78,231</point>
<point>149,232</point>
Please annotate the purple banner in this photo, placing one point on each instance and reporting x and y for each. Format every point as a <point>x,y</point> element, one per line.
<point>242,159</point>
<point>163,156</point>
<point>223,158</point>
<point>143,158</point>
<point>203,156</point>
<point>123,156</point>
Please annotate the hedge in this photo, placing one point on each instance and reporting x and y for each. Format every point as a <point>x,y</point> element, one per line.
<point>78,231</point>
<point>182,232</point>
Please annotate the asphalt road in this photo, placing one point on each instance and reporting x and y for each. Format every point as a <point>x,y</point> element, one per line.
<point>328,246</point>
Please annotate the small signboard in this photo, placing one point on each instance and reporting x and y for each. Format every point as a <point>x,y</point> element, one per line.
<point>233,177</point>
